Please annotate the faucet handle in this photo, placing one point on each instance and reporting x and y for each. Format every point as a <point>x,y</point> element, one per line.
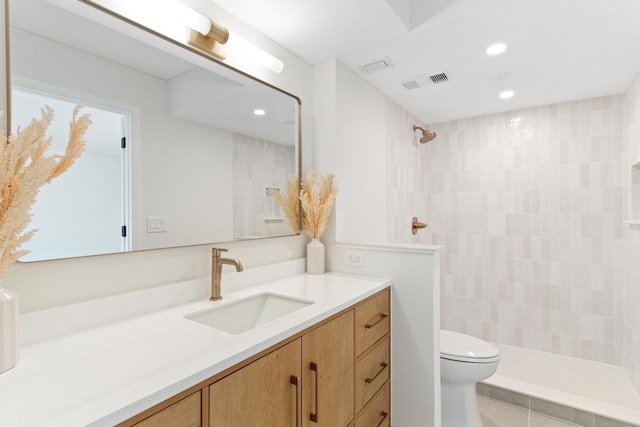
<point>218,251</point>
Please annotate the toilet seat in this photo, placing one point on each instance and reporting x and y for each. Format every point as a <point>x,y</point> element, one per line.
<point>465,348</point>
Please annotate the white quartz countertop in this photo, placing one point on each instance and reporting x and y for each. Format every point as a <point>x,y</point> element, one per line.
<point>106,374</point>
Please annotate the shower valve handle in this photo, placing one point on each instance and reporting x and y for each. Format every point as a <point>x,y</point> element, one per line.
<point>417,225</point>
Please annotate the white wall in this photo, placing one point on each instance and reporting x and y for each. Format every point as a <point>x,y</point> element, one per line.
<point>351,129</point>
<point>350,123</point>
<point>415,324</point>
<point>53,283</point>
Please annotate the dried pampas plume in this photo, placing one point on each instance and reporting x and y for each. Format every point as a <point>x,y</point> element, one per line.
<point>290,203</point>
<point>24,168</point>
<point>317,196</point>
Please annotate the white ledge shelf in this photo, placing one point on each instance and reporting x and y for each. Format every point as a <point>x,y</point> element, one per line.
<point>632,221</point>
<point>636,164</point>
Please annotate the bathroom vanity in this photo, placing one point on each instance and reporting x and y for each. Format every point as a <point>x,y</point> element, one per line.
<point>326,363</point>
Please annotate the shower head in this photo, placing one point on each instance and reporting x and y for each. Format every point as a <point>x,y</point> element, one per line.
<point>427,135</point>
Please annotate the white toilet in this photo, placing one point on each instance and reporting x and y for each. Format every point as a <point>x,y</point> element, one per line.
<point>464,360</point>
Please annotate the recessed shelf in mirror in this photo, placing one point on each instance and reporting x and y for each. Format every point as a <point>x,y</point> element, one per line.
<point>195,152</point>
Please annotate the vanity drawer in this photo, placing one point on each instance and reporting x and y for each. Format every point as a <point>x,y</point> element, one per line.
<point>372,370</point>
<point>372,320</point>
<point>377,412</point>
<point>184,413</point>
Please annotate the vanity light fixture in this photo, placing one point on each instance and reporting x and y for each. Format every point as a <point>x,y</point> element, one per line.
<point>496,49</point>
<point>257,55</point>
<point>170,17</point>
<point>211,39</point>
<point>506,94</point>
<point>167,17</point>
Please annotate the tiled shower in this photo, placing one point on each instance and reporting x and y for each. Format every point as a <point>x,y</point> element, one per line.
<point>531,208</point>
<point>259,166</point>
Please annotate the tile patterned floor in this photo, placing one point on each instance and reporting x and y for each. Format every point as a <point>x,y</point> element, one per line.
<point>498,414</point>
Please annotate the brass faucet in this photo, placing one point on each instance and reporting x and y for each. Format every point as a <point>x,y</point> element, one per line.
<point>216,271</point>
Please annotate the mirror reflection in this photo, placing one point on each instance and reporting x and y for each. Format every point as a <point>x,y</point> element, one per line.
<point>182,151</point>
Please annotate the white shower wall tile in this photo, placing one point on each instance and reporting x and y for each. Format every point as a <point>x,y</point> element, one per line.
<point>258,164</point>
<point>529,206</point>
<point>630,252</point>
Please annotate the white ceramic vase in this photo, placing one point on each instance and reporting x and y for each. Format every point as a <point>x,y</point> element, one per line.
<point>315,256</point>
<point>8,329</point>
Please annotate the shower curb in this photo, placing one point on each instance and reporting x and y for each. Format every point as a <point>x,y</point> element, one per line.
<point>548,408</point>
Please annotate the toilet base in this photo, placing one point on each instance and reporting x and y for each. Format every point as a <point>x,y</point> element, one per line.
<point>460,406</point>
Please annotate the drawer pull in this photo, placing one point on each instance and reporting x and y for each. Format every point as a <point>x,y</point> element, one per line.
<point>380,319</point>
<point>313,416</point>
<point>294,381</point>
<point>384,416</point>
<point>369,380</point>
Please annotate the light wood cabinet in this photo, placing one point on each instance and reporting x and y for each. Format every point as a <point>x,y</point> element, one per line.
<point>267,392</point>
<point>264,393</point>
<point>333,374</point>
<point>184,413</point>
<point>372,371</point>
<point>377,413</point>
<point>328,366</point>
<point>372,320</point>
<point>373,360</point>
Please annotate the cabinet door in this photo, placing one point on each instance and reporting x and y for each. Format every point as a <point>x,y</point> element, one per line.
<point>263,393</point>
<point>327,373</point>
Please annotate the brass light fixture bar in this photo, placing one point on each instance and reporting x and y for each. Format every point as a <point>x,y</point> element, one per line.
<point>212,42</point>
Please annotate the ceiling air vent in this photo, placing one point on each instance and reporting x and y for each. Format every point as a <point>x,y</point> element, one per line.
<point>380,64</point>
<point>439,78</point>
<point>411,84</point>
<point>425,80</point>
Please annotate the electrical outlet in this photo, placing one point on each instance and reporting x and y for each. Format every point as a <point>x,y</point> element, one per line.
<point>157,224</point>
<point>354,258</point>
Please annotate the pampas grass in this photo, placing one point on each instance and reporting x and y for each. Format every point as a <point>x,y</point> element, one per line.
<point>24,168</point>
<point>317,196</point>
<point>290,203</point>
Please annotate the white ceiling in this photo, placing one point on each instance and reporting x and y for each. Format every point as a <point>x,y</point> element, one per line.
<point>558,50</point>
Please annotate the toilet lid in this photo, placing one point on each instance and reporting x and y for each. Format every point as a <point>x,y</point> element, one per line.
<point>465,348</point>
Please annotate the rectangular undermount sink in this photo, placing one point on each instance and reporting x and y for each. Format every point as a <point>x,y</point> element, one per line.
<point>248,313</point>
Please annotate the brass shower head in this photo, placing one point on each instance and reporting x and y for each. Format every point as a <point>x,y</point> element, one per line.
<point>427,135</point>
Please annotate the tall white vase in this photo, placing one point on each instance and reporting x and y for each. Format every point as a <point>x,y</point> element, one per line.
<point>8,329</point>
<point>315,256</point>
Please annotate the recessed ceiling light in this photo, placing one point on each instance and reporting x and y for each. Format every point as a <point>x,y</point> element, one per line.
<point>259,112</point>
<point>496,49</point>
<point>500,76</point>
<point>506,94</point>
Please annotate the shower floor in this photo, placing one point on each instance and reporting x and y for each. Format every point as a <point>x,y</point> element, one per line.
<point>596,388</point>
